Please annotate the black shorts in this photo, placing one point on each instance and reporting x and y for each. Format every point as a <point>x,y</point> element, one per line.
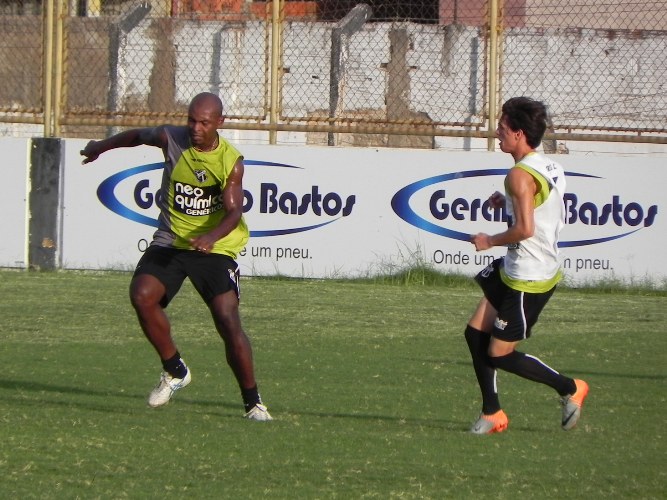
<point>517,311</point>
<point>210,274</point>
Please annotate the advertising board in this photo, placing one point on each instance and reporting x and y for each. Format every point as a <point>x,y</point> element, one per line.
<point>318,212</point>
<point>14,203</point>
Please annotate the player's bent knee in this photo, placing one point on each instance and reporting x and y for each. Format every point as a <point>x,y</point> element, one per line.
<point>144,297</point>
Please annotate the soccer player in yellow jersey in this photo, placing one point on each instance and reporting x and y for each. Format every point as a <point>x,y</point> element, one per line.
<point>201,231</point>
<point>517,286</point>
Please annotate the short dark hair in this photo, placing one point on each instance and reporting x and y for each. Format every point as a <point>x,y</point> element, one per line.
<point>528,115</point>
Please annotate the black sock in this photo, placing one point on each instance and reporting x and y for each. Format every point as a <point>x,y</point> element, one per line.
<point>175,366</point>
<point>531,368</point>
<point>478,343</point>
<point>250,397</point>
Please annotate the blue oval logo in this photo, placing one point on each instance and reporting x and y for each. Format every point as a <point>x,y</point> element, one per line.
<point>107,196</point>
<point>400,204</point>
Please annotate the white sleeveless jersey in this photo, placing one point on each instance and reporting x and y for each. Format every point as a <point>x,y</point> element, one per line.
<point>537,258</point>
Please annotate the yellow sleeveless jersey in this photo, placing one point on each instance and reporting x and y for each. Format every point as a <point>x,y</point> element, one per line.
<point>190,198</point>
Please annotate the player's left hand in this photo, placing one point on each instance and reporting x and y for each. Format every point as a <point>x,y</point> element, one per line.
<point>497,200</point>
<point>203,243</point>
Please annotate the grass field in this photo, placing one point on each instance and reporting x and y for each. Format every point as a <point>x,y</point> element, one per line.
<point>370,384</point>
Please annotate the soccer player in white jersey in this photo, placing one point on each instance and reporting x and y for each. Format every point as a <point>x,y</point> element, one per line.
<point>201,230</point>
<point>517,286</point>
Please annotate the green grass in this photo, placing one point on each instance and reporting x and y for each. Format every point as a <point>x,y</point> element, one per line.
<point>369,381</point>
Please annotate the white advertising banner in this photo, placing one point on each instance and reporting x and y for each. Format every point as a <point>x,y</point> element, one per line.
<point>348,212</point>
<point>14,203</point>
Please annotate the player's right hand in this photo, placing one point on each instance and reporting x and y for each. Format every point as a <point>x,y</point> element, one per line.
<point>482,241</point>
<point>89,152</point>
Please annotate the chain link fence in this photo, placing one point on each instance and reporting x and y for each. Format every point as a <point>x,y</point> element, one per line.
<point>335,71</point>
<point>599,65</point>
<point>22,63</point>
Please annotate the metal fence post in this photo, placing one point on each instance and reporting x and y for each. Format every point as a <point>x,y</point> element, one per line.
<point>276,43</point>
<point>58,70</point>
<point>48,67</point>
<point>494,40</point>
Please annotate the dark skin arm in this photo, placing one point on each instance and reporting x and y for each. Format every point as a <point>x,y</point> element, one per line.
<point>128,139</point>
<point>232,196</point>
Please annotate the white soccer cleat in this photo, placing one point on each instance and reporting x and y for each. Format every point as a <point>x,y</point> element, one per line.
<point>572,405</point>
<point>166,388</point>
<point>258,413</point>
<point>490,424</point>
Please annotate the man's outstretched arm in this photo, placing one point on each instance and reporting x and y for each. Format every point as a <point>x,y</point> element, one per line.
<point>128,139</point>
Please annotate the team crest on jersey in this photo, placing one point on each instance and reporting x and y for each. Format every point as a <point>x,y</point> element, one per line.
<point>201,175</point>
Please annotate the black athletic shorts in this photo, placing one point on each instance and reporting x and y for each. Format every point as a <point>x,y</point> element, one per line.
<point>211,274</point>
<point>517,311</point>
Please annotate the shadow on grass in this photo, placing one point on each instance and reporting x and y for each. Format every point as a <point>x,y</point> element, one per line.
<point>34,388</point>
<point>561,369</point>
<point>284,414</point>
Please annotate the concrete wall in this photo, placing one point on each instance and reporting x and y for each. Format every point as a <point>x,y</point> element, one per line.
<point>435,73</point>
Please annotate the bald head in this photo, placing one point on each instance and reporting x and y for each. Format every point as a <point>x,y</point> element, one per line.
<point>207,101</point>
<point>204,120</point>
